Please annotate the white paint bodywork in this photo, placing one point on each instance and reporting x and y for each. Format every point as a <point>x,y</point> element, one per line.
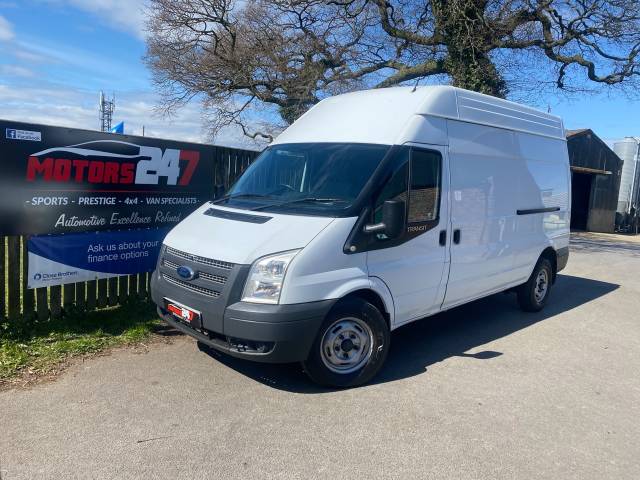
<point>242,242</point>
<point>392,116</point>
<point>498,157</point>
<point>494,173</point>
<point>415,271</point>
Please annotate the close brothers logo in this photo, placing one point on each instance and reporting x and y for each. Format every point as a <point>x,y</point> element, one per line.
<point>113,162</point>
<point>54,276</point>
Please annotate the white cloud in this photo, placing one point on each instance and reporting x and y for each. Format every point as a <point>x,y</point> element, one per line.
<point>63,106</point>
<point>15,71</point>
<point>125,15</point>
<point>82,60</point>
<point>6,30</point>
<point>26,55</point>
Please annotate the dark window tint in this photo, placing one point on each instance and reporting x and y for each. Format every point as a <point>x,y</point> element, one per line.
<point>424,197</point>
<point>396,187</point>
<point>284,175</point>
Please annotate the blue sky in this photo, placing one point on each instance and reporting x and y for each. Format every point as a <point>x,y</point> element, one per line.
<point>56,55</point>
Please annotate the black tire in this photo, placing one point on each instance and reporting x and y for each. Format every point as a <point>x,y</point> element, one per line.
<point>359,311</point>
<point>529,297</point>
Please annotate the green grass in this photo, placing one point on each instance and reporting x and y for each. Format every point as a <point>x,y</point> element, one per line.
<point>40,347</point>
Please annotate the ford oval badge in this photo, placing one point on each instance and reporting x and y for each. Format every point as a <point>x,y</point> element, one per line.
<point>186,272</point>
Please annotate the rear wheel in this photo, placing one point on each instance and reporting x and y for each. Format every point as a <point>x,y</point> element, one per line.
<point>350,347</point>
<point>533,295</point>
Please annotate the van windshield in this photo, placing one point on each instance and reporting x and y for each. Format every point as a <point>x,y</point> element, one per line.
<point>316,178</point>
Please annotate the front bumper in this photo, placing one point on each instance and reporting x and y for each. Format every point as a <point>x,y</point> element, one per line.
<point>259,332</point>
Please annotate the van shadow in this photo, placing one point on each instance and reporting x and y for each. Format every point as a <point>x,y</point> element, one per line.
<point>454,333</point>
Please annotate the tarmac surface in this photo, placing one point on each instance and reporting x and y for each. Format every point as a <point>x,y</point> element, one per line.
<point>483,391</point>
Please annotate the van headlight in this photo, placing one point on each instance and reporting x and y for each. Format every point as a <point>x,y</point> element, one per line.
<point>264,283</point>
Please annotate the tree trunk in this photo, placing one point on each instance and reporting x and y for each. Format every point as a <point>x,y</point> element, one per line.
<point>461,23</point>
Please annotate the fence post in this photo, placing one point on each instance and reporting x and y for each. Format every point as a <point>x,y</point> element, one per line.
<point>218,174</point>
<point>91,294</point>
<point>55,301</point>
<point>81,293</point>
<point>123,288</point>
<point>42,304</point>
<point>102,293</point>
<point>3,277</point>
<point>68,295</point>
<point>13,271</point>
<point>142,284</point>
<point>133,285</point>
<point>28,297</point>
<point>113,291</point>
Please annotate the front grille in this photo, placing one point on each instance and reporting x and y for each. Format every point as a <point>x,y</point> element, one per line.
<point>207,276</point>
<point>197,259</point>
<point>213,278</point>
<point>170,264</point>
<point>190,286</point>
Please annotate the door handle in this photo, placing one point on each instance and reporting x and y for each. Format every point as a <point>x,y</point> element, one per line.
<point>456,236</point>
<point>443,238</point>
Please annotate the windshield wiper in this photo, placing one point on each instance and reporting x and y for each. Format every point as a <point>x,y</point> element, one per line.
<point>240,195</point>
<point>302,200</point>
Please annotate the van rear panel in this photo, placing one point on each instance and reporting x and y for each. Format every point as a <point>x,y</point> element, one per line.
<point>544,184</point>
<point>510,201</point>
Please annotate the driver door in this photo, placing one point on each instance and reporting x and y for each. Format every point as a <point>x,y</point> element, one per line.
<point>414,266</point>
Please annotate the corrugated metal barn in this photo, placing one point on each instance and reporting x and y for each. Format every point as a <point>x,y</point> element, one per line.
<point>595,180</point>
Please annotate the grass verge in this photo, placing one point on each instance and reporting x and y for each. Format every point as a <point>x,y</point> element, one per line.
<point>40,348</point>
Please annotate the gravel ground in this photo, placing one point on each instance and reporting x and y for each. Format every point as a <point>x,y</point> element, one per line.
<point>482,391</point>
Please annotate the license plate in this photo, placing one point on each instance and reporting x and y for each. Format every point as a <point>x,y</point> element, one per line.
<point>182,312</point>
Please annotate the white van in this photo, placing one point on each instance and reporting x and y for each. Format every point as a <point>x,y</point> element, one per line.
<point>374,209</point>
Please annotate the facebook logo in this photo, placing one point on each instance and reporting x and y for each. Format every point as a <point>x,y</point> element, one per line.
<point>15,134</point>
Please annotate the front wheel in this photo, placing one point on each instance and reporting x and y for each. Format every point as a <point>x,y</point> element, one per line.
<point>533,295</point>
<point>350,347</point>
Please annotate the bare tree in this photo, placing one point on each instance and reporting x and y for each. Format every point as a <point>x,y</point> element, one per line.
<point>270,60</point>
<point>596,39</point>
<point>261,64</point>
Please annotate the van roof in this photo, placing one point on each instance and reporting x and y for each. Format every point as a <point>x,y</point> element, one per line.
<point>383,115</point>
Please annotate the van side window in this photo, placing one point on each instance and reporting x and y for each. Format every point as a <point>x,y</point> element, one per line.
<point>396,187</point>
<point>424,196</point>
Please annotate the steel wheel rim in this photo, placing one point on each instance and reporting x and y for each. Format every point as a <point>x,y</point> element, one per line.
<point>346,345</point>
<point>542,285</point>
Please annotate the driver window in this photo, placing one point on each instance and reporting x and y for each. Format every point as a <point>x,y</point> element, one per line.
<point>424,196</point>
<point>396,187</point>
<point>423,173</point>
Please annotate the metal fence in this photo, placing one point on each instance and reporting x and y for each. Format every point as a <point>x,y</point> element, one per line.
<point>17,300</point>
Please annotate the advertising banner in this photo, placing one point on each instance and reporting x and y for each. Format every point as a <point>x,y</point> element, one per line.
<point>78,257</point>
<point>62,180</point>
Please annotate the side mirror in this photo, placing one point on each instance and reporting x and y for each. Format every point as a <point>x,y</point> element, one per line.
<point>218,191</point>
<point>393,219</point>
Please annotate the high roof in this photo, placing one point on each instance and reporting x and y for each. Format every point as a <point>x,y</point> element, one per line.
<point>383,115</point>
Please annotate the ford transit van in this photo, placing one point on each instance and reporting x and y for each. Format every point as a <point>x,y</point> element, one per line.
<point>374,209</point>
